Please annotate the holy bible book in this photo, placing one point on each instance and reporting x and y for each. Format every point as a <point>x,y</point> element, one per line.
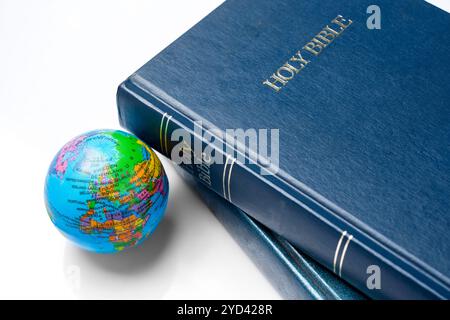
<point>350,109</point>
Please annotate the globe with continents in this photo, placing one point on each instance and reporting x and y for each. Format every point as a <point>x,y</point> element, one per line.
<point>106,190</point>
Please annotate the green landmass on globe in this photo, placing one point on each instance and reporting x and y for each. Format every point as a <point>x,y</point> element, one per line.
<point>106,190</point>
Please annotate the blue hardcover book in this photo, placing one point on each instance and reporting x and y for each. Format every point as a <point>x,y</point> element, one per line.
<point>291,273</point>
<point>362,180</point>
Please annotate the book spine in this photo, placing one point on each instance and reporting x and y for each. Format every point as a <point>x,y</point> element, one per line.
<point>291,273</point>
<point>367,266</point>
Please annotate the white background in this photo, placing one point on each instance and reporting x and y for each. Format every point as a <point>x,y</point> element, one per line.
<point>60,65</point>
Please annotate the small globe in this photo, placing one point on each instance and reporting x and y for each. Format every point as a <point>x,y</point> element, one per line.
<point>106,191</point>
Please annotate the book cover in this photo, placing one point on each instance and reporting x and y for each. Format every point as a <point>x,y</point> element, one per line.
<point>292,274</point>
<point>363,174</point>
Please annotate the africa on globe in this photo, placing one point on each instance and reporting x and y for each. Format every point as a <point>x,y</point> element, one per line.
<point>106,191</point>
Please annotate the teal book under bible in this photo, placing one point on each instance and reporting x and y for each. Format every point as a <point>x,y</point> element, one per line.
<point>357,172</point>
<point>291,273</point>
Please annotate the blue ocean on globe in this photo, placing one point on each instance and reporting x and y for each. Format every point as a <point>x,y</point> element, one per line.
<point>106,191</point>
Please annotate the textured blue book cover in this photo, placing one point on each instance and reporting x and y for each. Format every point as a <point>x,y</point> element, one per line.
<point>363,118</point>
<point>294,275</point>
